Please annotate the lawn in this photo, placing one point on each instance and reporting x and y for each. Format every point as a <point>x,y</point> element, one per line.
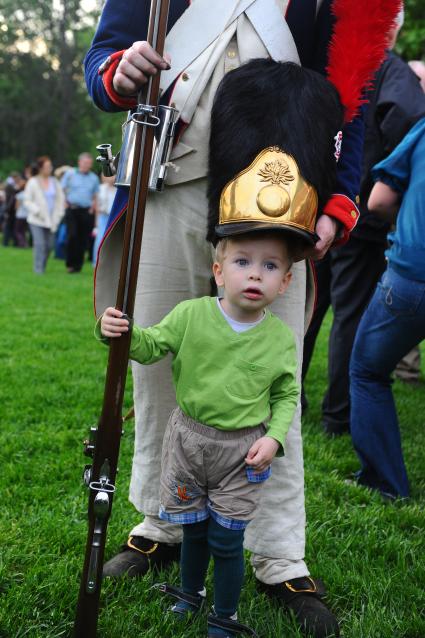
<point>371,555</point>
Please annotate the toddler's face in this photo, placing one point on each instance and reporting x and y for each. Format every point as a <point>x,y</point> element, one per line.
<point>253,272</point>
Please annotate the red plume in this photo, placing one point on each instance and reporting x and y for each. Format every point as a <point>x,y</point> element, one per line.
<point>357,47</point>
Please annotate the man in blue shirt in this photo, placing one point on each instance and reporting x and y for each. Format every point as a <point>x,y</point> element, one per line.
<point>81,186</point>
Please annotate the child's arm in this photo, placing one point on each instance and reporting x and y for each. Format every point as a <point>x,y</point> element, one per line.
<point>149,344</point>
<point>384,202</point>
<point>284,396</point>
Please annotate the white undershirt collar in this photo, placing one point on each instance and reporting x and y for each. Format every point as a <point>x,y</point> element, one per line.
<point>238,326</point>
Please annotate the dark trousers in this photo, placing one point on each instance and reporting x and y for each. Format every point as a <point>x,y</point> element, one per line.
<point>9,231</point>
<point>346,280</point>
<point>78,222</point>
<point>21,227</point>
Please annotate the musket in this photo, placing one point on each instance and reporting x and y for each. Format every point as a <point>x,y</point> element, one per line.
<point>104,442</point>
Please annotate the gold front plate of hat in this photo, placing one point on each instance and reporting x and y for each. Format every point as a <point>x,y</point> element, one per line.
<point>270,190</point>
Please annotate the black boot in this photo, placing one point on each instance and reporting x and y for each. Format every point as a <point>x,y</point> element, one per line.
<point>304,596</point>
<point>139,555</point>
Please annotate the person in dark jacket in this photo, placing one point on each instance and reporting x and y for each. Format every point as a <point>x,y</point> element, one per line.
<point>12,187</point>
<point>347,276</point>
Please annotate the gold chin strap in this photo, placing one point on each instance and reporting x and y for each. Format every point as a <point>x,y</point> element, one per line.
<point>310,590</point>
<point>148,551</point>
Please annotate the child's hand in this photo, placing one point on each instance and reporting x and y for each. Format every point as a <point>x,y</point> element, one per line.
<point>262,453</point>
<point>111,324</point>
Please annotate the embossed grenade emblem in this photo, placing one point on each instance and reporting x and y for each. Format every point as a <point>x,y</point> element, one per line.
<point>273,200</point>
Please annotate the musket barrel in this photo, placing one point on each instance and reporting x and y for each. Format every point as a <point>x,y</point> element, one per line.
<point>107,444</point>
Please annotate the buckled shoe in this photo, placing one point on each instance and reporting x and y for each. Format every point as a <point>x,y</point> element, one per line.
<point>304,597</point>
<point>139,555</point>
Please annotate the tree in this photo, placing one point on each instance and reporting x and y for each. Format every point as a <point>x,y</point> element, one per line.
<point>411,41</point>
<point>44,107</point>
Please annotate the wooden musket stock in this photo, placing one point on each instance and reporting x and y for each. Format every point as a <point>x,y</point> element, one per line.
<point>105,442</point>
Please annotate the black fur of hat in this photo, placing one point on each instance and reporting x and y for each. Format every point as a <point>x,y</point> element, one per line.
<point>266,103</point>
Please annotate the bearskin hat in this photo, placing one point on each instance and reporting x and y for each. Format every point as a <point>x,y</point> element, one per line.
<point>263,104</point>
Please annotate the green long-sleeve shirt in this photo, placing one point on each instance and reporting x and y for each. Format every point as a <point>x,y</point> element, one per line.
<point>222,378</point>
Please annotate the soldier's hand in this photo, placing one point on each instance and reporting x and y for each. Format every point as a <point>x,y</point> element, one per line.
<point>138,63</point>
<point>326,228</point>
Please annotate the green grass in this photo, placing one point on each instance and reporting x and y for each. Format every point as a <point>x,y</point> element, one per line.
<point>371,555</point>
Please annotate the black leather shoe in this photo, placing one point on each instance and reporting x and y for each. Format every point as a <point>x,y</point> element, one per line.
<point>304,597</point>
<point>139,555</point>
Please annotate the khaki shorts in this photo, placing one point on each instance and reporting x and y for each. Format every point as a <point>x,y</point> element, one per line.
<point>204,473</point>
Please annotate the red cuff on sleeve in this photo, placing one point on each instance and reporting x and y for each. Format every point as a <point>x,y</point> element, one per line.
<point>341,207</point>
<point>107,71</point>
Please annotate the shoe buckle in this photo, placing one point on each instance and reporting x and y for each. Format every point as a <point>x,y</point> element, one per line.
<point>310,590</point>
<point>148,551</point>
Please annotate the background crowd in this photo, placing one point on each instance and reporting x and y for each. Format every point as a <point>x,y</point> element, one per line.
<point>64,211</point>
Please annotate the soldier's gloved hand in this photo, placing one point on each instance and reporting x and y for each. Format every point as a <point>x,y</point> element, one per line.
<point>138,63</point>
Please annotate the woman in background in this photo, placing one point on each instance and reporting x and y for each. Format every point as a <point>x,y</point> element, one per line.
<point>45,202</point>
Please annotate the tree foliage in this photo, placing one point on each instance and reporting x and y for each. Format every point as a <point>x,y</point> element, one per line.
<point>411,41</point>
<point>44,107</point>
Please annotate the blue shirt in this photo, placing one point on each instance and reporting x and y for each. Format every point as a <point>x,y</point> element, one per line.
<point>404,171</point>
<point>50,195</point>
<point>80,188</point>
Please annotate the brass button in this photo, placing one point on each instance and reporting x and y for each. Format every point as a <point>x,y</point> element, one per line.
<point>185,77</point>
<point>231,54</point>
<point>353,214</point>
<point>357,199</point>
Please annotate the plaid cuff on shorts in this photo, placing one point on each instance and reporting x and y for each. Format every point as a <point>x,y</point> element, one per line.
<point>183,518</point>
<point>228,523</point>
<point>258,477</point>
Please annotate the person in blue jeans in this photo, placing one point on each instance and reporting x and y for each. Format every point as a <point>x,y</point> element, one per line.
<point>394,321</point>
